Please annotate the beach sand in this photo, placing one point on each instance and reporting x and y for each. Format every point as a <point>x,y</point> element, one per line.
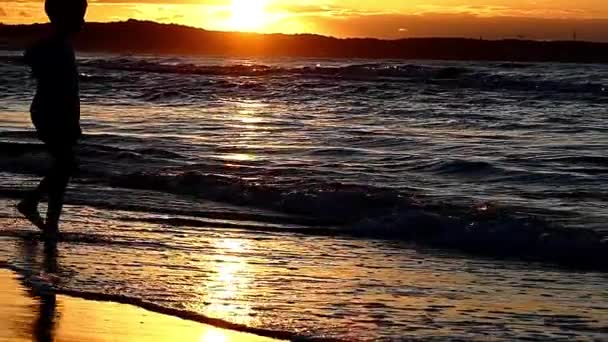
<point>25,318</point>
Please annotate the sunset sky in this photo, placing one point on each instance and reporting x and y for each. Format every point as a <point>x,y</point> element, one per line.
<point>535,19</point>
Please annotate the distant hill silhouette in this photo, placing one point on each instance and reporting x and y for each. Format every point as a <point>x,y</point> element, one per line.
<point>135,36</point>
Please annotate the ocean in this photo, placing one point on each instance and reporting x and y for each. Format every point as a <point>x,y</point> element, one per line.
<point>331,198</point>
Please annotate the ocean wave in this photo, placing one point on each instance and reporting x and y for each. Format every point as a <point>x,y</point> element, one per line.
<point>484,229</point>
<point>124,72</point>
<point>515,65</point>
<point>16,59</point>
<point>458,166</point>
<point>499,236</point>
<point>86,239</point>
<point>32,158</point>
<point>356,210</point>
<point>89,78</point>
<point>337,151</point>
<point>363,71</point>
<point>593,160</point>
<point>509,237</point>
<point>367,211</point>
<point>455,76</point>
<point>143,65</point>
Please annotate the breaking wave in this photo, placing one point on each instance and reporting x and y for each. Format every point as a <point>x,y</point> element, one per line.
<point>491,79</point>
<point>348,209</point>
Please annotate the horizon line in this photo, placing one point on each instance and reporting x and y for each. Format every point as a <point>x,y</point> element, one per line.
<point>481,38</point>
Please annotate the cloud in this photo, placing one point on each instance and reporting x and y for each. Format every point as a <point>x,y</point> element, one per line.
<point>504,11</point>
<point>298,8</point>
<point>326,17</point>
<point>22,12</point>
<point>460,25</point>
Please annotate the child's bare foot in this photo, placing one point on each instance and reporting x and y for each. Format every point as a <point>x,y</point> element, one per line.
<point>30,212</point>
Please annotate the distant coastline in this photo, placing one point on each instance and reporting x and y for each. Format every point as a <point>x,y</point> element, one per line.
<point>135,36</point>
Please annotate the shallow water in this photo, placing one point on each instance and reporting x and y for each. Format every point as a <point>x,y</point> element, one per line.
<point>333,197</point>
<point>320,286</point>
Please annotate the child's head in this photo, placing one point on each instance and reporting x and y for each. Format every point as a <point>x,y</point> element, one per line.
<point>66,15</point>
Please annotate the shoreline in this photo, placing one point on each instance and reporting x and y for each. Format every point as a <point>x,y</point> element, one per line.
<point>42,316</point>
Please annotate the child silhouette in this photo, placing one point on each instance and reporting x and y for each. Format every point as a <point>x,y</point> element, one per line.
<point>55,110</point>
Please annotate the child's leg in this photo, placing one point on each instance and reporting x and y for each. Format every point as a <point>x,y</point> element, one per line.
<point>63,167</point>
<point>33,198</point>
<point>28,207</point>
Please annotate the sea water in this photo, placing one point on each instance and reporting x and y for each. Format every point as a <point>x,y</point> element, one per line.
<point>350,199</point>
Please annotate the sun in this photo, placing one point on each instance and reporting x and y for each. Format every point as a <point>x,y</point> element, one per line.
<point>248,15</point>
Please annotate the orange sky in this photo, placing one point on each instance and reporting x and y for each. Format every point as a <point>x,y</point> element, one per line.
<point>537,19</point>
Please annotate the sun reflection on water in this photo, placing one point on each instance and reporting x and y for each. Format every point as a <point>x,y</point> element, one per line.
<point>246,122</point>
<point>239,157</point>
<point>224,292</point>
<point>249,120</point>
<point>248,113</point>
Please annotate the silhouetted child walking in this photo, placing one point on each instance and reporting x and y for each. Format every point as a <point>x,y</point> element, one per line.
<point>55,109</point>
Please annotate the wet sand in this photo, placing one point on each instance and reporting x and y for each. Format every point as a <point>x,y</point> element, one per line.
<point>49,317</point>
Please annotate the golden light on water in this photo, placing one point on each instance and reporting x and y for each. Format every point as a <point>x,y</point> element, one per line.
<point>247,121</point>
<point>250,120</point>
<point>242,157</point>
<point>233,244</point>
<point>248,114</point>
<point>228,284</point>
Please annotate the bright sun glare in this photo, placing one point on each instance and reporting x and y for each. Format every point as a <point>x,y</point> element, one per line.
<point>248,15</point>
